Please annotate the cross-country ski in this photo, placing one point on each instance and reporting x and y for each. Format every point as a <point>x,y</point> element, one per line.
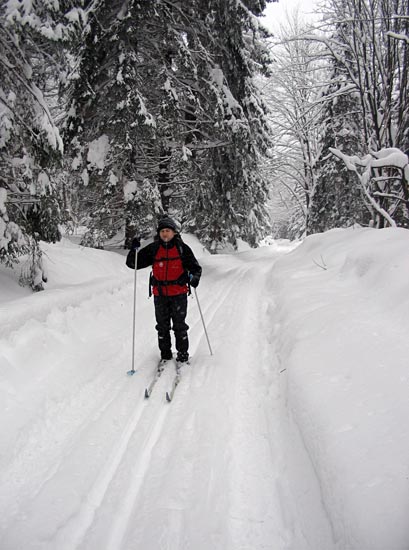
<point>176,379</point>
<point>158,373</point>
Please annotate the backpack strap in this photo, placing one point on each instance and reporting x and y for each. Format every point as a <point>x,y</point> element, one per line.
<point>179,244</point>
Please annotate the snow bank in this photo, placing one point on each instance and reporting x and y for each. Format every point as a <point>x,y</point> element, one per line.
<point>343,300</point>
<point>67,265</point>
<point>198,249</point>
<point>74,274</point>
<point>70,264</point>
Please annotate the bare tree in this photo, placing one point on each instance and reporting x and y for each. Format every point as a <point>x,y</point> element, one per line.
<point>362,48</point>
<point>294,96</point>
<point>371,43</point>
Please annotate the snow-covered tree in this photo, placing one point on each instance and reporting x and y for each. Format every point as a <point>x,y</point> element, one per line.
<point>371,44</point>
<point>338,199</point>
<point>363,111</point>
<point>173,102</point>
<point>387,168</point>
<point>230,201</point>
<point>31,61</point>
<point>294,94</point>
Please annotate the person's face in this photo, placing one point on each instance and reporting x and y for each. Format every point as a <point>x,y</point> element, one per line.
<point>166,234</point>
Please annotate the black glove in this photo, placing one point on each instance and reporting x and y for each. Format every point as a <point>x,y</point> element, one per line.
<point>136,243</point>
<point>194,280</point>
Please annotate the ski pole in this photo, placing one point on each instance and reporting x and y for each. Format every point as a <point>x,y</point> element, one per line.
<point>204,326</point>
<point>132,371</point>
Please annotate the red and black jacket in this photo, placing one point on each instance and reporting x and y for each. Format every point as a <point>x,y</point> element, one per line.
<point>172,263</point>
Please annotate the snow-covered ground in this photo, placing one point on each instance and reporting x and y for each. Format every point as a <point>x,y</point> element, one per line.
<point>292,436</point>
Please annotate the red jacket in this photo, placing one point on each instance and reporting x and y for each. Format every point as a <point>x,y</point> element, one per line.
<point>172,262</point>
<point>168,269</point>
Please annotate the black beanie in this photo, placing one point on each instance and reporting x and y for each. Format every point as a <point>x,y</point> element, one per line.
<point>167,223</point>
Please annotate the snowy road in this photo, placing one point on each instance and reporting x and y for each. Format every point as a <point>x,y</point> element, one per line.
<point>93,465</point>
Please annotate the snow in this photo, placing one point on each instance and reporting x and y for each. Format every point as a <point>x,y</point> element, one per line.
<point>385,157</point>
<point>3,199</point>
<point>292,436</point>
<point>85,177</point>
<point>217,77</point>
<point>98,150</point>
<point>43,182</point>
<point>390,157</point>
<point>398,36</point>
<point>76,15</point>
<point>345,312</point>
<point>45,119</point>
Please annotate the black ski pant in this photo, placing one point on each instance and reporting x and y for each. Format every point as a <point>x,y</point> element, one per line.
<point>167,309</point>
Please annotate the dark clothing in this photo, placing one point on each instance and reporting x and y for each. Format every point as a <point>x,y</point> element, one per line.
<point>173,308</point>
<point>174,264</point>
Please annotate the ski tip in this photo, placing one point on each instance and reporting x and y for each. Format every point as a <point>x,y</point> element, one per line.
<point>168,397</point>
<point>146,394</point>
<point>131,372</point>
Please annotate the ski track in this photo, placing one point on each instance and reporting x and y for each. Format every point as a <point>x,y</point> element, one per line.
<point>139,459</point>
<point>159,469</point>
<point>71,536</point>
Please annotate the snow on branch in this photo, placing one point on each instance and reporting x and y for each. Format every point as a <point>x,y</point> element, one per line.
<point>391,157</point>
<point>252,18</point>
<point>366,169</point>
<point>398,36</point>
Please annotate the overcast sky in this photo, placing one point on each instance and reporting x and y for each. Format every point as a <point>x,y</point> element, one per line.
<point>275,12</point>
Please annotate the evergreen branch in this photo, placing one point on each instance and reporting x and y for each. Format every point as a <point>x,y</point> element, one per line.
<point>19,118</point>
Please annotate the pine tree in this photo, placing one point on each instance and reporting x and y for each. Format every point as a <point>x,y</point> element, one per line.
<point>230,201</point>
<point>152,87</point>
<point>338,200</point>
<point>131,94</point>
<point>31,35</point>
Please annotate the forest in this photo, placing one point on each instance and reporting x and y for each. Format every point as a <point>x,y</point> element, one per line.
<point>115,112</point>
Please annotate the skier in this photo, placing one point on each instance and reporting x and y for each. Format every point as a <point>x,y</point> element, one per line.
<point>175,269</point>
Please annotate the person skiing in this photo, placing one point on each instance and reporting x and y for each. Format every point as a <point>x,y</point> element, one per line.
<point>175,269</point>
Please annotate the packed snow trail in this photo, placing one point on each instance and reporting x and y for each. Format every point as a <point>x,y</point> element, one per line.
<point>96,466</point>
